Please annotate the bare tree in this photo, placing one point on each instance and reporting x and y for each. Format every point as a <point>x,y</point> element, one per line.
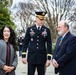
<point>25,14</point>
<point>56,10</point>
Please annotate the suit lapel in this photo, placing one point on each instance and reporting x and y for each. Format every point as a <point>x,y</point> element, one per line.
<point>64,39</point>
<point>41,30</point>
<point>36,31</point>
<point>57,45</point>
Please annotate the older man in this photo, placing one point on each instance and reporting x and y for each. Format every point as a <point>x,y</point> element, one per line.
<point>64,57</point>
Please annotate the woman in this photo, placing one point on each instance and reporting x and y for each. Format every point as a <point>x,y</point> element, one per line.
<point>8,57</point>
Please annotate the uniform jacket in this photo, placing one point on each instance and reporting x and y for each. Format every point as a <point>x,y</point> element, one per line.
<point>65,55</point>
<point>13,57</point>
<point>36,42</point>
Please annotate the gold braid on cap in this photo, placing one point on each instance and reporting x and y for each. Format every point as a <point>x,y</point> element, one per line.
<point>40,16</point>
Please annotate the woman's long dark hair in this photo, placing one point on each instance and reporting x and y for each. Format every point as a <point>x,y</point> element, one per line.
<point>12,39</point>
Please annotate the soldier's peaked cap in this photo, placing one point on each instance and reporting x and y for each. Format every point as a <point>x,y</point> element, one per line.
<point>40,15</point>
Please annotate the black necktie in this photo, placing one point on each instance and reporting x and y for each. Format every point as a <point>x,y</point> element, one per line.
<point>38,28</point>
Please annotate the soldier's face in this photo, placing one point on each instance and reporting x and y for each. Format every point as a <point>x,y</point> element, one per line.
<point>39,21</point>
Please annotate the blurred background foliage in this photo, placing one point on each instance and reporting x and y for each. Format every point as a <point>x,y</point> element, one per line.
<point>5,18</point>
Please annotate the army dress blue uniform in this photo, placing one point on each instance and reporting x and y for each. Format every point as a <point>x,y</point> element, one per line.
<point>39,46</point>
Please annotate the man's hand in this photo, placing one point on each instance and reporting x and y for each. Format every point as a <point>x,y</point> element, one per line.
<point>55,64</point>
<point>47,63</point>
<point>24,60</point>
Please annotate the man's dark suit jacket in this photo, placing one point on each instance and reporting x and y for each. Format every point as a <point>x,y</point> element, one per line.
<point>65,55</point>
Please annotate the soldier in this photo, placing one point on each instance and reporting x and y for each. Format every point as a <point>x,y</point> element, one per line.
<point>38,42</point>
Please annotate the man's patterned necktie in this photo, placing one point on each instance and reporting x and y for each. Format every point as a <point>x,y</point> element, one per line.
<point>60,41</point>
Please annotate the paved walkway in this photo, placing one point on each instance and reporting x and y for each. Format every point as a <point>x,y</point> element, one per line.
<point>22,68</point>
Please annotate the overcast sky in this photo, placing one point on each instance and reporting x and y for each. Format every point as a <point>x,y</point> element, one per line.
<point>17,1</point>
<point>14,10</point>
